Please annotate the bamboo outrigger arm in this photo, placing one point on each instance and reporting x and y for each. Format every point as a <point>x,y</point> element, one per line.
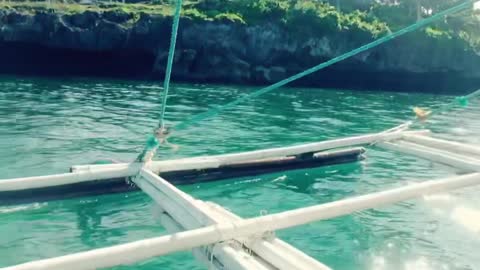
<point>92,173</point>
<point>202,223</point>
<point>219,160</point>
<point>148,248</point>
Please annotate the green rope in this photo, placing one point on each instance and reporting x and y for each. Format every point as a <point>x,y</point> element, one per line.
<point>171,54</point>
<point>462,101</point>
<point>152,142</point>
<point>202,116</point>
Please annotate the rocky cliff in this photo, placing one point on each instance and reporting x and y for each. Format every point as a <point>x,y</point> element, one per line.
<point>117,44</point>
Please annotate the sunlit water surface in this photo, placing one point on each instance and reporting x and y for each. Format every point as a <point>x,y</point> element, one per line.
<point>46,126</point>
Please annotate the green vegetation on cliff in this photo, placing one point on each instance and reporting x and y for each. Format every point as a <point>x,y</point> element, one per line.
<point>463,27</point>
<point>363,22</point>
<point>76,8</point>
<point>301,16</point>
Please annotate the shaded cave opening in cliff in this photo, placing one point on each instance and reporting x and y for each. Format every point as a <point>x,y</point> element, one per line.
<point>35,60</point>
<point>28,59</point>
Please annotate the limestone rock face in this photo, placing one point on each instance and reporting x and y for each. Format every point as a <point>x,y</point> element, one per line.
<point>124,45</point>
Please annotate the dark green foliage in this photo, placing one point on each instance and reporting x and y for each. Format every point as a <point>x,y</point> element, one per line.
<point>461,28</point>
<point>302,17</point>
<point>362,20</point>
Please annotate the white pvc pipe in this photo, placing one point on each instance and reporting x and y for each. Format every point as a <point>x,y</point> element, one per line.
<point>222,252</point>
<point>181,215</point>
<point>148,248</point>
<point>219,160</point>
<point>299,149</point>
<point>199,253</point>
<point>461,162</point>
<point>188,208</point>
<point>275,251</point>
<point>191,218</point>
<point>293,150</point>
<point>66,178</point>
<point>455,147</point>
<point>102,172</point>
<point>216,161</point>
<point>212,215</point>
<point>232,257</point>
<point>157,187</point>
<point>170,225</point>
<point>184,200</point>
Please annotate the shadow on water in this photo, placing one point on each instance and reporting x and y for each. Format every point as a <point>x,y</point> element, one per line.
<point>101,220</point>
<point>89,222</point>
<point>314,181</point>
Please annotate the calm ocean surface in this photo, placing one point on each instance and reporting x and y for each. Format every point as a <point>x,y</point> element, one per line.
<point>48,125</point>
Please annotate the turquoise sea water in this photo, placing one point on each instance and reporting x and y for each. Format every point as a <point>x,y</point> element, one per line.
<point>48,125</point>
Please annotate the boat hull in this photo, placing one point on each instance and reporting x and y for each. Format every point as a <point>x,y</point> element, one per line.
<point>185,177</point>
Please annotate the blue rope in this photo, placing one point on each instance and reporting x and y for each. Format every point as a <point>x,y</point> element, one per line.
<point>202,116</point>
<point>171,54</point>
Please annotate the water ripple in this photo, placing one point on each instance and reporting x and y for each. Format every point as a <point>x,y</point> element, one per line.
<point>46,126</point>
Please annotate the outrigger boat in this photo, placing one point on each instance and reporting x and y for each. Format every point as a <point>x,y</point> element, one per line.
<point>103,179</point>
<point>217,237</point>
